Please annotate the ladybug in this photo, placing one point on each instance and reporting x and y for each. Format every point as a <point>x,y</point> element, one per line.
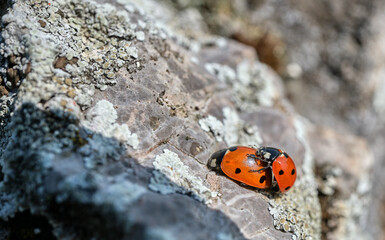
<point>264,167</point>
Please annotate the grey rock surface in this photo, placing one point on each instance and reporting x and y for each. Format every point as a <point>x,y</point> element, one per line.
<point>331,57</point>
<point>111,109</point>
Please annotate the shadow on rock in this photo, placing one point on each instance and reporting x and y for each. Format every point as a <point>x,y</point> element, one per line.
<point>84,184</point>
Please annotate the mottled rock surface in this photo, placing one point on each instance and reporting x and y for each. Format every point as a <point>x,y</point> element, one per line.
<point>111,109</point>
<point>331,57</point>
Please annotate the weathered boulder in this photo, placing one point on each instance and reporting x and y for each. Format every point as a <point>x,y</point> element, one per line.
<point>331,57</point>
<point>109,113</point>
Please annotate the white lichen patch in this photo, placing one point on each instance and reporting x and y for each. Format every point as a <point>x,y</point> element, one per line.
<point>65,104</point>
<point>298,211</point>
<point>257,85</point>
<point>233,130</point>
<point>83,41</point>
<point>102,119</point>
<point>329,182</point>
<point>211,124</point>
<point>160,22</point>
<point>221,42</point>
<point>171,175</point>
<point>224,73</point>
<point>254,84</point>
<point>5,109</point>
<point>140,36</point>
<point>232,124</point>
<point>301,125</point>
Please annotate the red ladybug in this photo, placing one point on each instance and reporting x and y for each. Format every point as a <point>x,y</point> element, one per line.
<point>263,168</point>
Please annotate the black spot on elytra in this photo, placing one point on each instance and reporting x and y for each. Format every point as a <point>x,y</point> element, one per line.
<point>280,172</point>
<point>287,188</point>
<point>262,179</point>
<point>287,156</point>
<point>238,170</point>
<point>292,172</point>
<point>232,149</point>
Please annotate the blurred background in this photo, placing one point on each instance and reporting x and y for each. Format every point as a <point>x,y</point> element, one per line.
<point>331,57</point>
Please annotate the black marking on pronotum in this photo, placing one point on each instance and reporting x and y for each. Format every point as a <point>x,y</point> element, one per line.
<point>287,156</point>
<point>232,149</point>
<point>292,172</point>
<point>238,170</point>
<point>280,172</point>
<point>262,179</point>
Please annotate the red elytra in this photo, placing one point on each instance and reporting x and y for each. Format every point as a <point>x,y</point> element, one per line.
<point>263,168</point>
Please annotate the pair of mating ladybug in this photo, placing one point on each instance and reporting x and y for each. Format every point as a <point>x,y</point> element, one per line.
<point>264,167</point>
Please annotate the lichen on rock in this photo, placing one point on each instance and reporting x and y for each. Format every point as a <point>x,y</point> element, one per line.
<point>253,83</point>
<point>102,119</point>
<point>112,113</point>
<point>172,176</point>
<point>84,45</point>
<point>298,211</point>
<point>233,130</point>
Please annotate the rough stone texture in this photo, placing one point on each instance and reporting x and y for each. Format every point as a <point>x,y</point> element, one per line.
<point>344,191</point>
<point>111,109</point>
<point>340,55</point>
<point>331,56</point>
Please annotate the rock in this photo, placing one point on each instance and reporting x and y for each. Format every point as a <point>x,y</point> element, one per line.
<point>332,62</point>
<point>109,129</point>
<point>3,91</point>
<point>343,164</point>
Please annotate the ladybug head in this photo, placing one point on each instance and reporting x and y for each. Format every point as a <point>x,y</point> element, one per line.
<point>261,151</point>
<point>268,153</point>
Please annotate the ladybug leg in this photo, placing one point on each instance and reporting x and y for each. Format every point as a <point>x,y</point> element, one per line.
<point>260,170</point>
<point>253,156</point>
<point>263,160</point>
